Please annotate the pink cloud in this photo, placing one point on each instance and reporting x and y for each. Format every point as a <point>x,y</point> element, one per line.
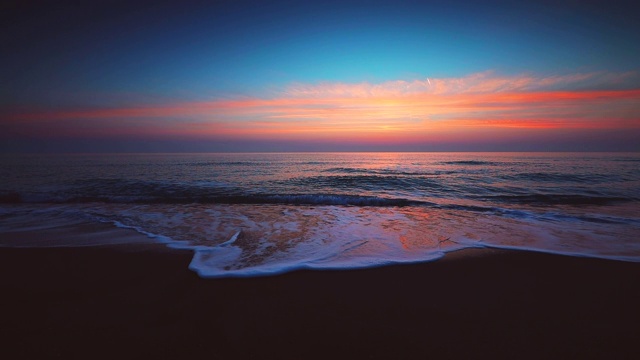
<point>395,109</point>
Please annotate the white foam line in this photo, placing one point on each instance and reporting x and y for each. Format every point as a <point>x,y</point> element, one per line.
<point>199,266</point>
<point>231,240</point>
<point>169,242</point>
<point>202,252</point>
<point>204,271</point>
<point>553,252</point>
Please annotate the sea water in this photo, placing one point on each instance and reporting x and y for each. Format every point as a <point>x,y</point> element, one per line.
<point>258,214</point>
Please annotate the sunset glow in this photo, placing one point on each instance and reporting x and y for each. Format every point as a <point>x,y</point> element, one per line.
<point>397,111</point>
<point>433,106</point>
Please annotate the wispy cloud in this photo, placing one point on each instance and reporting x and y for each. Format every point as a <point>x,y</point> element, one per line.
<point>395,109</point>
<point>485,82</point>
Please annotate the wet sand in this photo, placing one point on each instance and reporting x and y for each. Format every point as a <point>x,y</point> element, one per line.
<point>141,301</point>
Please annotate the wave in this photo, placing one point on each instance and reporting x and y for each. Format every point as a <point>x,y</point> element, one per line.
<point>224,163</point>
<point>357,190</point>
<point>603,219</point>
<point>562,199</point>
<point>627,160</point>
<point>469,162</point>
<point>320,199</point>
<point>558,177</point>
<point>372,182</point>
<point>218,163</point>
<point>204,198</point>
<point>343,170</point>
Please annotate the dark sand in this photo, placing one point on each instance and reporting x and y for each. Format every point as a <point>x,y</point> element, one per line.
<point>141,301</point>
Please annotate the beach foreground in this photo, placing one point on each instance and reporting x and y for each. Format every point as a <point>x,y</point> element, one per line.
<point>141,301</point>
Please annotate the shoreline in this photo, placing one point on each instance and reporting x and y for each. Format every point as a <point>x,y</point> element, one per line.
<point>141,300</point>
<point>106,235</point>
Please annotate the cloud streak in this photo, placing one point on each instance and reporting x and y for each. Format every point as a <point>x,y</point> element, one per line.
<point>395,111</point>
<point>485,82</point>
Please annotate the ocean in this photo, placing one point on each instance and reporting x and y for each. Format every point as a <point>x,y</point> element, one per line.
<point>253,214</point>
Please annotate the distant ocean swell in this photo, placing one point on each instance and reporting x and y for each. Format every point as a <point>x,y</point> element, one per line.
<point>189,195</point>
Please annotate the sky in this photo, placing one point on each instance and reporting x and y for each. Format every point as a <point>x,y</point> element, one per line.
<point>234,76</point>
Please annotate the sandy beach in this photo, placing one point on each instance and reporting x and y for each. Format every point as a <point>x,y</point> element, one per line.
<point>141,301</point>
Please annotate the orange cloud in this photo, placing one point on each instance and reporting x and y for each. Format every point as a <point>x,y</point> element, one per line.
<point>391,110</point>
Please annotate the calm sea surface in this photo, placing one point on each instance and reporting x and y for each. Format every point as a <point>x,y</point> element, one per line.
<point>255,214</point>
